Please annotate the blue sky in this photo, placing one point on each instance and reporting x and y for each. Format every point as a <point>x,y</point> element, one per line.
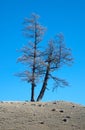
<point>63,16</point>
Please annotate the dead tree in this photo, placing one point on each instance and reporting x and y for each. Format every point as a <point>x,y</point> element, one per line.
<point>31,55</point>
<point>41,64</point>
<point>56,56</point>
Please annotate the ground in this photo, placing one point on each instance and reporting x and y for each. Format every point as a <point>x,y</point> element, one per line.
<point>58,115</point>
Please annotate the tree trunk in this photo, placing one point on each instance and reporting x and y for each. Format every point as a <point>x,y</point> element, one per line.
<point>41,94</point>
<point>33,81</point>
<point>33,70</point>
<point>32,92</point>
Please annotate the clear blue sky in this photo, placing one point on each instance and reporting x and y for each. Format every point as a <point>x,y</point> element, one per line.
<point>67,16</point>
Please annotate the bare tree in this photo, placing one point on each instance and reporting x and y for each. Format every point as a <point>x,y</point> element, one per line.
<point>31,55</point>
<point>56,55</point>
<point>42,65</point>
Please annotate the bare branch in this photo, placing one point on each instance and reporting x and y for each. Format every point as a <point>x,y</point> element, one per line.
<point>59,82</point>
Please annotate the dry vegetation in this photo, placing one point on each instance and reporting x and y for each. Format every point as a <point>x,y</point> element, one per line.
<point>41,116</point>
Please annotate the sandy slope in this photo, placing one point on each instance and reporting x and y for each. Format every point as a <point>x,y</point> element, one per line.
<point>41,116</point>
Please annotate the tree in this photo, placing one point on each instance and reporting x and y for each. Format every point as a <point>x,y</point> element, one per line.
<point>42,65</point>
<point>56,56</point>
<point>31,55</point>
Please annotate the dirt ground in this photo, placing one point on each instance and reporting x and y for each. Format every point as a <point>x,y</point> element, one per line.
<point>58,115</point>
